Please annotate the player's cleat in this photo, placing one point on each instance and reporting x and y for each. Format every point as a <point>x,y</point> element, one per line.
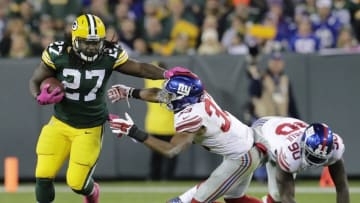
<point>174,200</point>
<point>264,199</point>
<point>94,197</point>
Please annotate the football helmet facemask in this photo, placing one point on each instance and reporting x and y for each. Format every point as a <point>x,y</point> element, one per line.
<point>88,35</point>
<point>181,91</point>
<point>317,144</point>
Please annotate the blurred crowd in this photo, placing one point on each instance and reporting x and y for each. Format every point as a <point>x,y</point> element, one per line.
<point>183,27</point>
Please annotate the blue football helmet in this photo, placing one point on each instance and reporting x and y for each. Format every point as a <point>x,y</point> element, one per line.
<point>181,91</point>
<point>317,144</point>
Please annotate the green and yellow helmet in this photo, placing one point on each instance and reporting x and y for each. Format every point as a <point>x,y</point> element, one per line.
<point>88,34</point>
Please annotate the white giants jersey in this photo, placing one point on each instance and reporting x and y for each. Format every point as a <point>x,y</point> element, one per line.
<point>284,135</point>
<point>225,135</point>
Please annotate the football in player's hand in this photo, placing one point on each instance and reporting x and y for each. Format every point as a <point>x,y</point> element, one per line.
<point>53,84</point>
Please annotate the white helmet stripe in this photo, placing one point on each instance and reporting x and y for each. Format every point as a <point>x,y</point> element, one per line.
<point>92,23</point>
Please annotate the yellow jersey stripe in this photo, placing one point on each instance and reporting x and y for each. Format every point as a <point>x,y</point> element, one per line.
<point>47,60</point>
<point>122,58</point>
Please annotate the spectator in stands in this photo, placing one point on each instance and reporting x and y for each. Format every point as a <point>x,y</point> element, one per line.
<point>354,9</point>
<point>271,95</point>
<point>180,20</point>
<point>304,40</point>
<point>154,32</point>
<point>140,47</point>
<point>45,39</point>
<point>182,45</point>
<point>122,14</point>
<point>283,24</point>
<point>101,8</point>
<point>271,92</point>
<point>216,9</point>
<point>237,27</point>
<point>237,46</point>
<point>19,47</point>
<point>111,34</point>
<point>210,43</point>
<point>128,32</point>
<point>60,10</point>
<point>341,12</point>
<point>152,9</point>
<point>326,25</point>
<point>15,29</point>
<point>346,40</point>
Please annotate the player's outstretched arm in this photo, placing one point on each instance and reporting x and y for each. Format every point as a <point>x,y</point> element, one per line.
<point>143,70</point>
<point>286,185</point>
<point>178,143</point>
<point>39,74</point>
<point>338,174</point>
<point>119,92</point>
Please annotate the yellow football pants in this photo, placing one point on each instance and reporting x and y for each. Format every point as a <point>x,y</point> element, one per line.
<point>58,142</point>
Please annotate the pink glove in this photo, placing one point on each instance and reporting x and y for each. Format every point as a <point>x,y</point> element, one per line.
<point>49,98</point>
<point>179,71</point>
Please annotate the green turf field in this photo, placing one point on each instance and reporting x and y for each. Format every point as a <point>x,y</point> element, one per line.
<point>159,192</point>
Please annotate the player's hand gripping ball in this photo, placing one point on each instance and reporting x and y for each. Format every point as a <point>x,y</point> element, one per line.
<point>51,91</point>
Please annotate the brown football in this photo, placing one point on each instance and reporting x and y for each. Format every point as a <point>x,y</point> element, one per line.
<point>53,84</point>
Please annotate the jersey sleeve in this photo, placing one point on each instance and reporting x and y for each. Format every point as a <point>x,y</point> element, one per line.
<point>339,149</point>
<point>120,54</point>
<point>188,121</point>
<point>52,52</point>
<point>286,160</point>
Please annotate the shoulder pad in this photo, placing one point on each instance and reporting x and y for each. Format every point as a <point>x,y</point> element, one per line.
<point>187,120</point>
<point>116,52</point>
<point>53,51</point>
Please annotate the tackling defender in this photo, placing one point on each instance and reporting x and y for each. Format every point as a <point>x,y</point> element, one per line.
<point>200,120</point>
<point>296,146</point>
<point>75,130</point>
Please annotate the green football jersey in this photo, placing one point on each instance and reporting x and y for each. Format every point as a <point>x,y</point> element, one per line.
<point>84,103</point>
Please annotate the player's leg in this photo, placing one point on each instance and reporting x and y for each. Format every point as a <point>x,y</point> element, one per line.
<point>84,153</point>
<point>156,163</point>
<point>273,196</point>
<point>52,149</point>
<point>228,173</point>
<point>236,194</point>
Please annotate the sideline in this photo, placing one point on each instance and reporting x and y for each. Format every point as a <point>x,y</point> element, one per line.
<point>176,189</point>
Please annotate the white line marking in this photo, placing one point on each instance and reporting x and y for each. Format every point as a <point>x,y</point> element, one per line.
<point>176,189</point>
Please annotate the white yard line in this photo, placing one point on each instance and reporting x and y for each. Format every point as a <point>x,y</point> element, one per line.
<point>176,189</point>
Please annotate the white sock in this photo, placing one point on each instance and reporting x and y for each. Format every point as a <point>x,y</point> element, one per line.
<point>187,196</point>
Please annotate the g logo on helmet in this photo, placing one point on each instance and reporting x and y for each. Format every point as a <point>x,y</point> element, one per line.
<point>74,25</point>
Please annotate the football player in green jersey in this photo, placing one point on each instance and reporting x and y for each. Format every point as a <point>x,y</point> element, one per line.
<point>74,132</point>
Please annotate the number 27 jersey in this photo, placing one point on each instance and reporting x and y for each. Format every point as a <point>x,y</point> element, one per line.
<point>284,135</point>
<point>225,135</point>
<point>85,83</point>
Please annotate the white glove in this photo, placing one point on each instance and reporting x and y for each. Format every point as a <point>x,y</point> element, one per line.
<point>119,92</point>
<point>121,126</point>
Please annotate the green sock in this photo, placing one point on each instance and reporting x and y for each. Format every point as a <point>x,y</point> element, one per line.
<point>44,190</point>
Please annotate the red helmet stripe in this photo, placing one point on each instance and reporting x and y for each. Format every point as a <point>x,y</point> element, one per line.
<point>326,133</point>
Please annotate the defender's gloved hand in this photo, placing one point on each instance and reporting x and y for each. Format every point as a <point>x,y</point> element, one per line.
<point>127,127</point>
<point>49,98</point>
<point>179,71</point>
<point>119,92</point>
